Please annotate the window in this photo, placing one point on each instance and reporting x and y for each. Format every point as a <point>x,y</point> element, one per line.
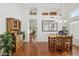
<point>75,13</point>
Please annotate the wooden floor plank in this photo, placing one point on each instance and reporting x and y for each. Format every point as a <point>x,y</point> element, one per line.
<point>41,49</point>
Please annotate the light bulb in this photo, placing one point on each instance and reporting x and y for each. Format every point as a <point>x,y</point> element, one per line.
<point>65,20</point>
<point>60,21</point>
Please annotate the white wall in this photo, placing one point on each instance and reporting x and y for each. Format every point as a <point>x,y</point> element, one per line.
<point>74,29</point>
<point>13,10</point>
<point>8,10</point>
<point>41,36</point>
<point>21,11</point>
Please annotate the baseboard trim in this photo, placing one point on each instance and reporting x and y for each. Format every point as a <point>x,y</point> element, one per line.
<point>76,46</point>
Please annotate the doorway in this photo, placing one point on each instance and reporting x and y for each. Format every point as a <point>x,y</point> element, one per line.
<point>32,30</point>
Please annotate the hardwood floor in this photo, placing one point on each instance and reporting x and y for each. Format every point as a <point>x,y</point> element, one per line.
<point>41,49</point>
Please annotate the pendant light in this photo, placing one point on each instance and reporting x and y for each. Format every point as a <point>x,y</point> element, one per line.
<point>61,15</point>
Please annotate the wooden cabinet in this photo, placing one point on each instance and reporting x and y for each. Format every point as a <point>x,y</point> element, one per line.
<point>18,44</point>
<point>13,25</point>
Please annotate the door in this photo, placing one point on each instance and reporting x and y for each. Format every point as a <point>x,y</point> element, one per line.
<point>32,30</point>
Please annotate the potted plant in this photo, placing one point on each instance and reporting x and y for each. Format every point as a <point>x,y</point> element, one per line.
<point>7,43</point>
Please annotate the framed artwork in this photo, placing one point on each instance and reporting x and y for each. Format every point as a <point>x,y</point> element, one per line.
<point>45,13</point>
<point>33,11</point>
<point>49,26</point>
<point>53,13</point>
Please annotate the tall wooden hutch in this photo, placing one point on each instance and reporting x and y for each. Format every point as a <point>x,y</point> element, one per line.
<point>14,27</point>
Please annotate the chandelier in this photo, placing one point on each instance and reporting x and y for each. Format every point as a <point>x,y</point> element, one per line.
<point>61,17</point>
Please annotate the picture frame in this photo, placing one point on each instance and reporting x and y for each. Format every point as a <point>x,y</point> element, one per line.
<point>49,26</point>
<point>33,11</point>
